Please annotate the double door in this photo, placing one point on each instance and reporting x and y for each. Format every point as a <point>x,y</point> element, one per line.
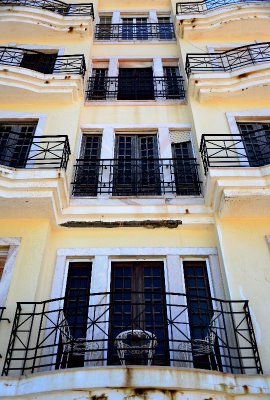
<point>134,28</point>
<point>135,84</point>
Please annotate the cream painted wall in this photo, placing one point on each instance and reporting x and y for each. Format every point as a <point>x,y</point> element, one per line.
<point>246,260</point>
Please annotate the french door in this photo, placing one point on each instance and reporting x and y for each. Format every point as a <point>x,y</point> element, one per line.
<point>256,141</point>
<point>134,28</point>
<point>136,168</point>
<point>15,143</point>
<point>185,171</point>
<point>88,166</point>
<point>138,303</point>
<point>135,84</point>
<point>75,310</point>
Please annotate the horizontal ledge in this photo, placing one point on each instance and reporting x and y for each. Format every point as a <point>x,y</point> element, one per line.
<point>149,224</point>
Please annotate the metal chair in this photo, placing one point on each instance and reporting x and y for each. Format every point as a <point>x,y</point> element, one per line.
<point>73,346</point>
<point>202,347</point>
<point>135,342</point>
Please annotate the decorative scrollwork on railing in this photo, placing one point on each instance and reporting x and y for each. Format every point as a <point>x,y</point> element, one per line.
<point>228,60</point>
<point>56,6</point>
<point>46,63</point>
<point>194,7</point>
<point>46,335</point>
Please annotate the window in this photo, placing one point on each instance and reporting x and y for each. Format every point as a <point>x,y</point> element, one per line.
<point>135,84</point>
<point>134,28</point>
<point>165,28</point>
<point>185,169</point>
<point>87,168</point>
<point>97,85</point>
<point>200,308</point>
<point>76,308</point>
<point>256,141</point>
<point>41,62</point>
<point>15,143</point>
<point>104,28</point>
<point>174,88</point>
<point>138,303</point>
<point>136,170</point>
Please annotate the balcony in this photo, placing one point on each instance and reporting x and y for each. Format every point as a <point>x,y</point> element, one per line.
<point>238,170</point>
<point>210,19</point>
<point>137,177</point>
<point>141,32</point>
<point>230,72</point>
<point>59,77</point>
<point>140,88</point>
<point>133,328</point>
<point>48,18</point>
<point>19,151</point>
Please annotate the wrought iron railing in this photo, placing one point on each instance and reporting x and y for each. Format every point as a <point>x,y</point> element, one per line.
<point>228,60</point>
<point>246,150</point>
<point>136,177</point>
<point>192,7</point>
<point>131,328</point>
<point>56,6</point>
<point>132,88</point>
<point>22,151</point>
<point>146,31</point>
<point>45,63</point>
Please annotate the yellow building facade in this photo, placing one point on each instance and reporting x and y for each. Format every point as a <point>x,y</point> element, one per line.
<point>135,199</point>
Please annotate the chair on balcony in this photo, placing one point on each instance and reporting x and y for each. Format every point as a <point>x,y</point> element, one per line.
<point>202,347</point>
<point>74,346</point>
<point>135,342</point>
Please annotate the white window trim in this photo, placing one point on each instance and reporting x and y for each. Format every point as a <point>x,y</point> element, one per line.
<point>13,244</point>
<point>245,116</point>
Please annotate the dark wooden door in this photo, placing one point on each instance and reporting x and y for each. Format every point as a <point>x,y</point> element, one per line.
<point>138,302</point>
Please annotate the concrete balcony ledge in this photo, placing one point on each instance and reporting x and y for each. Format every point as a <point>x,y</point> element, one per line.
<point>136,383</point>
<point>16,82</point>
<point>248,83</point>
<point>40,193</point>
<point>239,192</point>
<point>238,20</point>
<point>19,21</point>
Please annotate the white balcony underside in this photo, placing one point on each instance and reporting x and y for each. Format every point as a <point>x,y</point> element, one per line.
<point>239,192</point>
<point>251,83</point>
<point>16,82</point>
<point>26,21</point>
<point>240,21</point>
<point>136,383</point>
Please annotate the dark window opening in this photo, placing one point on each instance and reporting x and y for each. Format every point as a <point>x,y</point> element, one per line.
<point>135,84</point>
<point>173,83</point>
<point>98,84</point>
<point>40,62</point>
<point>87,168</point>
<point>185,170</point>
<point>256,141</point>
<point>15,143</point>
<point>75,312</point>
<point>136,169</point>
<point>138,303</point>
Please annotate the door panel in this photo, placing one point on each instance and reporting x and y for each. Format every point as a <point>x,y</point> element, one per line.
<point>138,303</point>
<point>136,170</point>
<point>15,143</point>
<point>135,84</point>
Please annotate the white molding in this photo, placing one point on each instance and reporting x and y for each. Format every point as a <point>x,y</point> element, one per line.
<point>13,243</point>
<point>137,251</point>
<point>137,126</point>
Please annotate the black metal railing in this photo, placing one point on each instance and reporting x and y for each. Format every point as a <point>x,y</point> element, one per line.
<point>45,63</point>
<point>146,31</point>
<point>228,60</point>
<point>56,6</point>
<point>130,88</point>
<point>22,151</point>
<point>195,7</point>
<point>246,150</point>
<point>136,177</point>
<point>131,328</point>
